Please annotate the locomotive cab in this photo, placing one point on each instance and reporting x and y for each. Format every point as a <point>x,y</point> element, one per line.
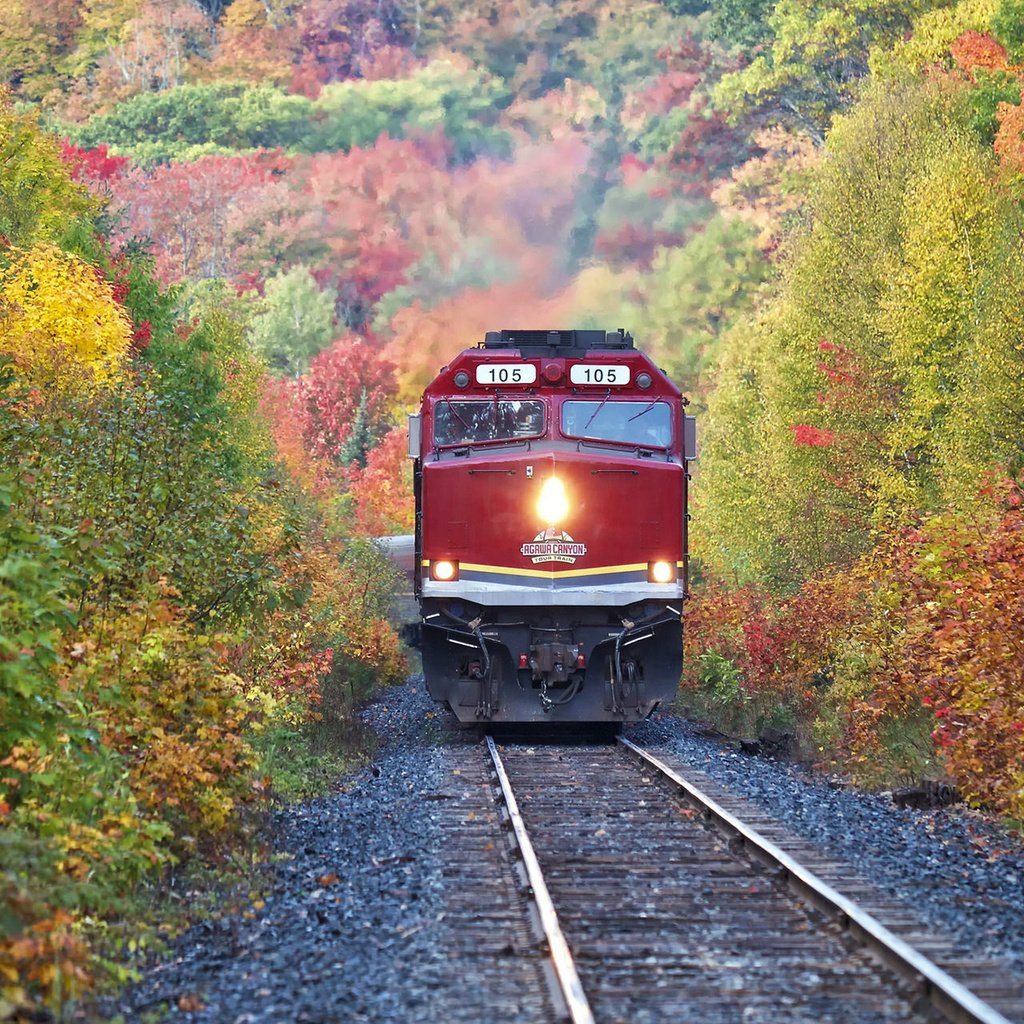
<point>551,529</point>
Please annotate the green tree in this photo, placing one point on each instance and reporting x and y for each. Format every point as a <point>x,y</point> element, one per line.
<point>878,385</point>
<point>742,24</point>
<point>464,104</point>
<point>604,167</point>
<point>735,529</point>
<point>218,114</point>
<point>296,321</point>
<point>625,50</point>
<point>362,437</point>
<point>1008,28</point>
<point>38,199</point>
<point>816,55</point>
<point>686,7</point>
<point>695,292</point>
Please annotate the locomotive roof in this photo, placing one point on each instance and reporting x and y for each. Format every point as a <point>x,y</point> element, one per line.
<point>554,356</point>
<point>572,343</point>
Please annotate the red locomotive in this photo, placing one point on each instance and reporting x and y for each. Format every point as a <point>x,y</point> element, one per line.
<point>551,529</point>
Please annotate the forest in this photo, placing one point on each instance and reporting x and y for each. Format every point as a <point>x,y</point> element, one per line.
<point>237,237</point>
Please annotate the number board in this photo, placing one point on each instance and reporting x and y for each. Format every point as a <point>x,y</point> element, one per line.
<point>599,374</point>
<point>506,373</point>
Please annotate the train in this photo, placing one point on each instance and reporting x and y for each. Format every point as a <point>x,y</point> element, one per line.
<point>551,473</point>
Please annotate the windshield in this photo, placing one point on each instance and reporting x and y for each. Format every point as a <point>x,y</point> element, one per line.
<point>647,424</point>
<point>472,421</point>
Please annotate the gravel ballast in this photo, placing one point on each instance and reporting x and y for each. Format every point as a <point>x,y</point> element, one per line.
<point>355,928</point>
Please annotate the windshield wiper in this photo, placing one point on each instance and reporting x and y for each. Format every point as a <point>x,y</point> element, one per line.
<point>451,406</point>
<point>600,406</point>
<point>650,405</point>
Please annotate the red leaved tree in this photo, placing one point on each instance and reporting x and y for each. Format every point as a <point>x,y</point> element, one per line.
<point>187,210</point>
<point>975,51</point>
<point>344,404</point>
<point>94,167</point>
<point>383,490</point>
<point>962,649</point>
<point>365,216</point>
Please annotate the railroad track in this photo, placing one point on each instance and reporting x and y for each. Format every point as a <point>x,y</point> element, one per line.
<point>649,899</point>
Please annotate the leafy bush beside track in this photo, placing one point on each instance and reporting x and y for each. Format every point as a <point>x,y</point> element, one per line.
<point>905,665</point>
<point>170,599</point>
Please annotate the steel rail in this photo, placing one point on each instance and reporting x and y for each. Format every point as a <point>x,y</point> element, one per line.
<point>953,999</point>
<point>561,957</point>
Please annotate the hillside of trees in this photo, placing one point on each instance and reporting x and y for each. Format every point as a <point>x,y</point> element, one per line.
<point>237,237</point>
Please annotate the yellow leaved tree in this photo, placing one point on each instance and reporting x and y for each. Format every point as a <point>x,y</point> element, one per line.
<point>59,321</point>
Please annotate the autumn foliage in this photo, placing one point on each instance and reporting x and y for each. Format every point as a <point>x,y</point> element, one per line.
<point>964,654</point>
<point>344,401</point>
<point>975,51</point>
<point>59,321</point>
<point>861,568</point>
<point>264,226</point>
<point>907,664</point>
<point>172,599</point>
<point>382,491</point>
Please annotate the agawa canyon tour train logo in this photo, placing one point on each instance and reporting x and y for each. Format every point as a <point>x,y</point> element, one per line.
<point>553,546</point>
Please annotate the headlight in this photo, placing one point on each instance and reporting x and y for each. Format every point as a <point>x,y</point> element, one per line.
<point>553,504</point>
<point>661,572</point>
<point>444,570</point>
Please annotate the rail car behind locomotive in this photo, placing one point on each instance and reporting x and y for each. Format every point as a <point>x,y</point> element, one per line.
<point>551,529</point>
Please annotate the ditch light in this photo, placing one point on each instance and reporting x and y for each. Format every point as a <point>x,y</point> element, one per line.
<point>444,570</point>
<point>661,572</point>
